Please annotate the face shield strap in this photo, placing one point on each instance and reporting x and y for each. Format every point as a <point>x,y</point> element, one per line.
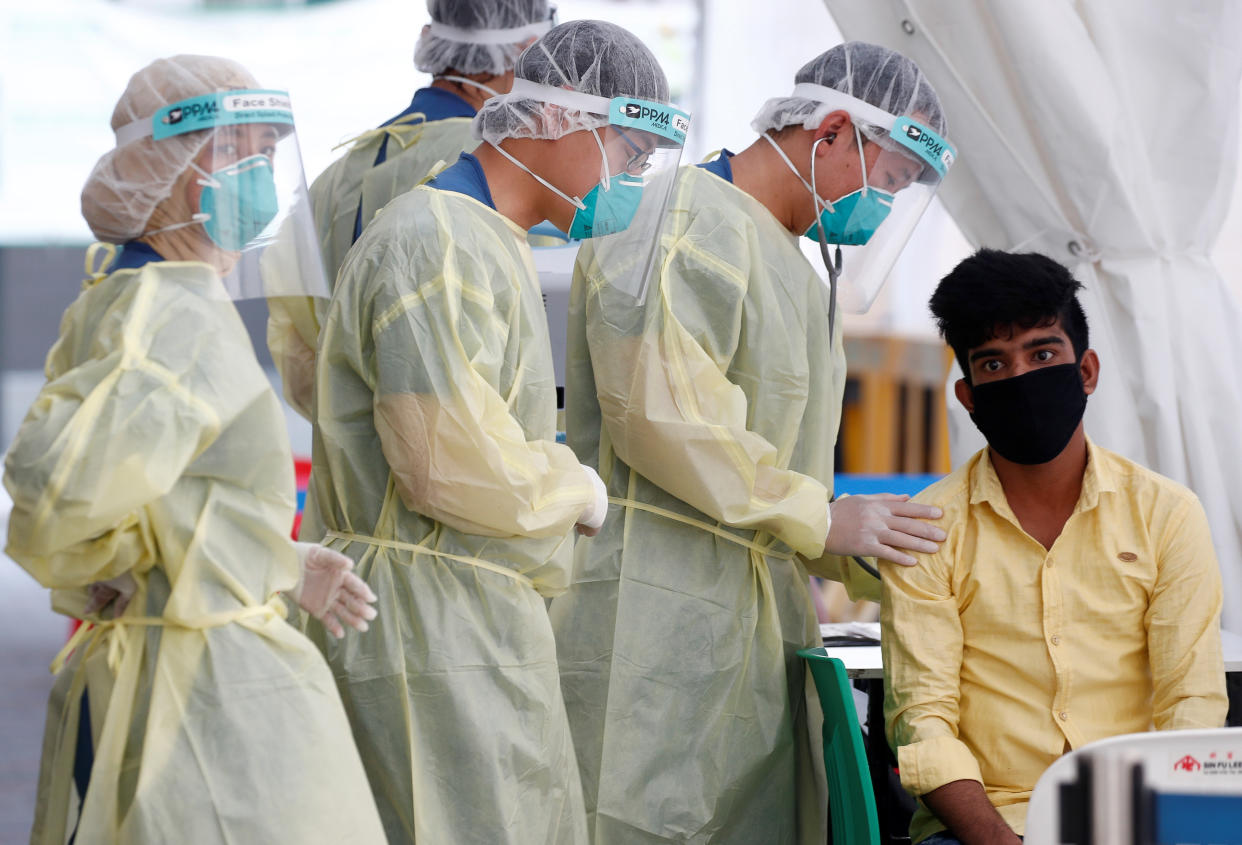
<point>511,36</point>
<point>465,80</point>
<point>840,101</point>
<point>524,89</point>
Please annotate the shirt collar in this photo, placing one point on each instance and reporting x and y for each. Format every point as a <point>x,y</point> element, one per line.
<point>1098,478</point>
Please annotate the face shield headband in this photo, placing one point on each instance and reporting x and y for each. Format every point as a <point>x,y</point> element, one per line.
<point>510,35</point>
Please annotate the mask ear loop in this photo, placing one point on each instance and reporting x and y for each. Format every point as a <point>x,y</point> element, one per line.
<point>462,80</point>
<point>605,178</point>
<point>576,202</point>
<point>207,181</point>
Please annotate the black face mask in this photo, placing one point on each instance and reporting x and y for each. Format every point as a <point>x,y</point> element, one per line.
<point>1029,419</point>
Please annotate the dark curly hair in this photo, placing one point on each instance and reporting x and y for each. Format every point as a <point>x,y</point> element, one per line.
<point>990,293</point>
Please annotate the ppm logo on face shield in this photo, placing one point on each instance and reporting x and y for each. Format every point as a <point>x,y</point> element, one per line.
<point>195,111</point>
<point>933,148</point>
<point>657,117</point>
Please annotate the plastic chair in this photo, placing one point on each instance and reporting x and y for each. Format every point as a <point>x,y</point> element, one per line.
<point>1159,786</point>
<point>850,795</point>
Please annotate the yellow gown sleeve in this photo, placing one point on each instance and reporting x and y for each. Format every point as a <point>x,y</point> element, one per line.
<point>292,335</point>
<point>671,411</point>
<point>110,434</point>
<point>858,582</point>
<point>443,354</point>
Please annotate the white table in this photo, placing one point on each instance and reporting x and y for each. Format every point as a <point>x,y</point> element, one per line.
<point>865,661</point>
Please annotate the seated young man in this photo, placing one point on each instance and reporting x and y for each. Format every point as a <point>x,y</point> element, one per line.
<point>1077,595</point>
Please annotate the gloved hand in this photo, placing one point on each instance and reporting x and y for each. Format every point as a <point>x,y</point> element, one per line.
<point>117,591</point>
<point>593,517</point>
<point>880,524</point>
<point>330,592</point>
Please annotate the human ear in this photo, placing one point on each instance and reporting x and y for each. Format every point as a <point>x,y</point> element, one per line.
<point>1089,367</point>
<point>961,389</point>
<point>834,124</point>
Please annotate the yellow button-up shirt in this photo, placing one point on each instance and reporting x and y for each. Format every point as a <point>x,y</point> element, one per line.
<point>1000,654</point>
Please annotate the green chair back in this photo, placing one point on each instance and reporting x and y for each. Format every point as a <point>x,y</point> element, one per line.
<point>850,796</point>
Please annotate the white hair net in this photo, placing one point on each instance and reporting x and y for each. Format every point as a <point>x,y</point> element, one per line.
<point>468,35</point>
<point>128,182</point>
<point>877,75</point>
<point>591,57</point>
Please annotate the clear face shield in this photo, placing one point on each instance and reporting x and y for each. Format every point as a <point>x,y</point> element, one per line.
<point>640,150</point>
<point>652,136</point>
<point>868,228</point>
<point>249,200</point>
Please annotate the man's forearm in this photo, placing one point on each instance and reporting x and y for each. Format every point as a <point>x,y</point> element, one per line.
<point>964,808</point>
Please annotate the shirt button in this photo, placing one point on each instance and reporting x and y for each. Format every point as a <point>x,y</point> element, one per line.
<point>1056,641</point>
<point>1063,715</point>
<point>1048,563</point>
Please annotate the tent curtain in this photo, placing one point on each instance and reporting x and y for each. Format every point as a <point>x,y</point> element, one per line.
<point>1103,133</point>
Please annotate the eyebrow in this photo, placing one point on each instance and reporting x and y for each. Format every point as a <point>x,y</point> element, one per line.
<point>1047,340</point>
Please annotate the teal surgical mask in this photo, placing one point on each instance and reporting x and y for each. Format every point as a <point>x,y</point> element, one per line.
<point>608,208</point>
<point>238,201</point>
<point>853,219</point>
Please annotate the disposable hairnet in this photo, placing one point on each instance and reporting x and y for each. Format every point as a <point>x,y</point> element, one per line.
<point>592,57</point>
<point>128,182</point>
<point>877,75</point>
<point>436,52</point>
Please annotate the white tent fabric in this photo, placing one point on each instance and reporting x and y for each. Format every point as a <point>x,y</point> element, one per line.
<point>1104,134</point>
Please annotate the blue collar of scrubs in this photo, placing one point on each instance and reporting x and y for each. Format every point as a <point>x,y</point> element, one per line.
<point>133,255</point>
<point>465,177</point>
<point>720,166</point>
<point>435,104</point>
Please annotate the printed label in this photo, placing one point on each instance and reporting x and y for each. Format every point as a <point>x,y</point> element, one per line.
<point>925,143</point>
<point>222,109</point>
<point>656,118</point>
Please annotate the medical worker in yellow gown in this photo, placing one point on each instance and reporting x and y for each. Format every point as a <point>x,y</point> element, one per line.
<point>153,493</point>
<point>469,48</point>
<point>711,408</point>
<point>435,464</point>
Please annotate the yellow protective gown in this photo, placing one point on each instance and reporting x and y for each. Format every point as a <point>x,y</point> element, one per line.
<point>711,412</point>
<point>158,448</point>
<point>414,149</point>
<point>436,470</point>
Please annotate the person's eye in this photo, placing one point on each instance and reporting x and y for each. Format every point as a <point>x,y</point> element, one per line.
<point>269,151</point>
<point>226,149</point>
<point>991,366</point>
<point>1044,355</point>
